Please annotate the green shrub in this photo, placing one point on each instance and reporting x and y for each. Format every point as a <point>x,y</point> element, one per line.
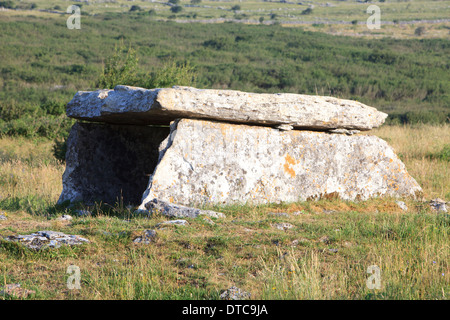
<point>135,8</point>
<point>176,9</point>
<point>8,4</point>
<point>119,69</point>
<point>171,74</point>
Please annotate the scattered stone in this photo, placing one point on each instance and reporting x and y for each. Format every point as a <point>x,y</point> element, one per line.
<point>16,291</point>
<point>279,214</point>
<point>138,106</point>
<point>47,239</point>
<point>3,215</point>
<point>297,213</point>
<point>235,293</point>
<point>294,243</point>
<point>156,206</point>
<point>402,205</point>
<point>283,226</point>
<point>65,217</point>
<point>328,211</point>
<point>333,250</point>
<point>147,237</point>
<point>438,205</point>
<point>172,222</point>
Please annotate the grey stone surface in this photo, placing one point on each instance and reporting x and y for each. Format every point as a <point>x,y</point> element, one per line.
<point>205,162</point>
<point>132,105</point>
<point>438,205</point>
<point>172,223</point>
<point>147,237</point>
<point>234,293</point>
<point>283,226</point>
<point>172,210</point>
<point>65,217</point>
<point>402,205</point>
<point>47,239</point>
<point>110,162</point>
<point>3,216</point>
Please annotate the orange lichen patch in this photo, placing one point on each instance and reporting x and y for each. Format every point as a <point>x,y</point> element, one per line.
<point>287,165</point>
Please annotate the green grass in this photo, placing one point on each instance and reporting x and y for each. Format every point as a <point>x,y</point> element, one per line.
<point>201,260</point>
<point>244,249</point>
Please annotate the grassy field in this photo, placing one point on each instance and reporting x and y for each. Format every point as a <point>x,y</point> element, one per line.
<point>275,47</point>
<point>200,260</point>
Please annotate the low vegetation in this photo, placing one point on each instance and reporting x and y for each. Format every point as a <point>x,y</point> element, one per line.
<point>44,64</point>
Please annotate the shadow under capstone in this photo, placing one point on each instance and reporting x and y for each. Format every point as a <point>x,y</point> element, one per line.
<point>110,163</point>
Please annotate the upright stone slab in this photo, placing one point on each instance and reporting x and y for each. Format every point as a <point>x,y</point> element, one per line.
<point>110,163</point>
<point>204,162</point>
<point>138,106</point>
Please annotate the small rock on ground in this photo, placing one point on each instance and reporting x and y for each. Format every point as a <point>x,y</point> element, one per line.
<point>47,239</point>
<point>402,205</point>
<point>235,293</point>
<point>178,211</point>
<point>147,237</point>
<point>438,205</point>
<point>283,226</point>
<point>173,222</point>
<point>65,217</point>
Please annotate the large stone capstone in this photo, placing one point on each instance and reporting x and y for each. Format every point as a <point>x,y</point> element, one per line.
<point>239,150</point>
<point>138,106</point>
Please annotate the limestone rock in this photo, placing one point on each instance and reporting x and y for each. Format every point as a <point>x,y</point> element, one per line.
<point>438,205</point>
<point>47,239</point>
<point>172,223</point>
<point>179,211</point>
<point>204,162</point>
<point>402,205</point>
<point>147,237</point>
<point>65,217</point>
<point>234,293</point>
<point>283,226</point>
<point>132,105</point>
